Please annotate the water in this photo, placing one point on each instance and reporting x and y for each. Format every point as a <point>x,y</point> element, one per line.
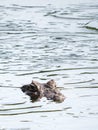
<point>45,40</point>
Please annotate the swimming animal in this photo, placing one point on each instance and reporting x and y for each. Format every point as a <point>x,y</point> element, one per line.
<point>38,90</point>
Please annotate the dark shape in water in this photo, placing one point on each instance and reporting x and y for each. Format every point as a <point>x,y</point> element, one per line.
<point>38,90</point>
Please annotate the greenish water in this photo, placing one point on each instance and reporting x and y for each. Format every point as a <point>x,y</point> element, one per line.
<point>43,40</point>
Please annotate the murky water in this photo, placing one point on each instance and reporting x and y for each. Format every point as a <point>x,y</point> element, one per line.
<point>45,40</point>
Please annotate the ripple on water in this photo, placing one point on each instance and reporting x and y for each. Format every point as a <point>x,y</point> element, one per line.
<point>92,25</point>
<point>49,42</point>
<point>13,104</point>
<point>21,104</point>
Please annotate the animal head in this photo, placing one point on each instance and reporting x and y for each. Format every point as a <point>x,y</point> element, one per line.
<point>51,84</point>
<point>33,90</point>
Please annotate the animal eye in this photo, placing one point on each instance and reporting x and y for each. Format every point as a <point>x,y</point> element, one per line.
<point>33,88</point>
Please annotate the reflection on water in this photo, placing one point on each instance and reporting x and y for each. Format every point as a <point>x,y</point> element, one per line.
<point>49,41</point>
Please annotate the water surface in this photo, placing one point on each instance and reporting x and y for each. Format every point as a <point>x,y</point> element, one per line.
<point>46,40</point>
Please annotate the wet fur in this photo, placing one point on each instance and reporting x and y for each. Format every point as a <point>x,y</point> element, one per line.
<point>38,90</point>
